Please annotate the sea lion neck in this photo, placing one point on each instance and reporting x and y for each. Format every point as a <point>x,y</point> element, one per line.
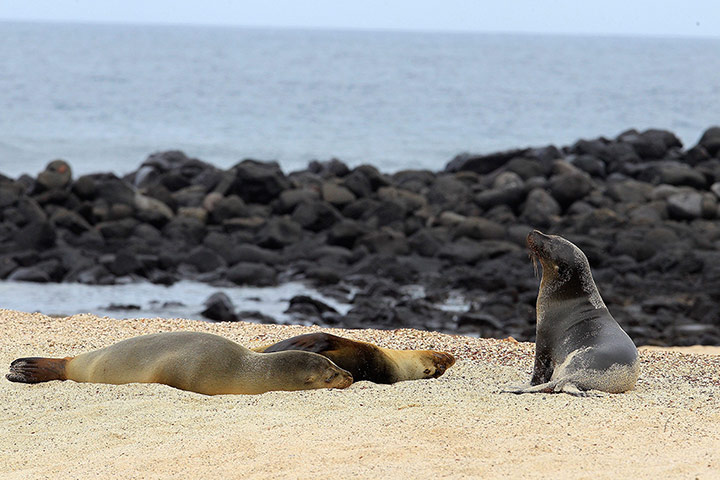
<point>557,311</point>
<point>564,283</point>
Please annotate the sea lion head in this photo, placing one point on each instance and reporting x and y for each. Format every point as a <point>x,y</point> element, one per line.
<point>441,361</point>
<point>565,268</point>
<point>417,364</point>
<point>432,363</point>
<point>316,371</point>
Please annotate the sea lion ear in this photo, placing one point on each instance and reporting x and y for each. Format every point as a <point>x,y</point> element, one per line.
<point>310,379</point>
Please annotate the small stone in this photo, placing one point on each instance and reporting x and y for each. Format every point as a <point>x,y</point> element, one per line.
<point>220,308</point>
<point>246,273</point>
<point>336,194</point>
<point>685,206</point>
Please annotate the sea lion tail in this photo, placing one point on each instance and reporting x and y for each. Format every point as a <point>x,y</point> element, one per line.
<point>37,369</point>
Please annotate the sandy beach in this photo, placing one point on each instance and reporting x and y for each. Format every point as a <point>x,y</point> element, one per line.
<point>456,426</point>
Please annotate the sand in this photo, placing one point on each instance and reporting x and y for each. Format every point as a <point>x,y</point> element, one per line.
<point>456,426</point>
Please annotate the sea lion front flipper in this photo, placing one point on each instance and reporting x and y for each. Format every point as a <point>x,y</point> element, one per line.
<point>37,369</point>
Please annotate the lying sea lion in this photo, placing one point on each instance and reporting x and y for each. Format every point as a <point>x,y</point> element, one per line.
<point>579,346</point>
<point>366,361</point>
<point>194,361</point>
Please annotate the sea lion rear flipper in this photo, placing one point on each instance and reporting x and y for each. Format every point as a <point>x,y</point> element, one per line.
<point>37,369</point>
<point>528,388</point>
<point>311,342</point>
<point>564,385</point>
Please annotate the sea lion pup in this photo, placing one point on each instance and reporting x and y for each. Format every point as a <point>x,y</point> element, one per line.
<point>194,361</point>
<point>366,361</point>
<point>579,346</point>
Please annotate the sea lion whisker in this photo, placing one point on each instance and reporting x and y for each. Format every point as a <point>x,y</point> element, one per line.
<point>534,260</point>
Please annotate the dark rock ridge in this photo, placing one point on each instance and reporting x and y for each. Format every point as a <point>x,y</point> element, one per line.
<point>396,246</point>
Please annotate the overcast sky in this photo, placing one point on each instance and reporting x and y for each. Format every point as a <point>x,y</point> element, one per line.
<point>625,17</point>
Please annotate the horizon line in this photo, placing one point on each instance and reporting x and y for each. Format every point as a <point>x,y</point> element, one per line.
<point>325,28</point>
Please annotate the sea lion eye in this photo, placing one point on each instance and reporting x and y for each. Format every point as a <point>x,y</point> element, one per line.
<point>331,377</point>
<point>427,371</point>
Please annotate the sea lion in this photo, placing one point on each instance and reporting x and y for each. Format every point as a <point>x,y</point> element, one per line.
<point>579,346</point>
<point>366,361</point>
<point>194,361</point>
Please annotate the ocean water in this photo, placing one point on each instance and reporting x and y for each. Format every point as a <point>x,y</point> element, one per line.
<point>105,96</point>
<point>183,299</point>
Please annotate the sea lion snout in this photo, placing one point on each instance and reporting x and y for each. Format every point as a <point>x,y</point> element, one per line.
<point>442,362</point>
<point>536,241</point>
<point>341,379</point>
<point>336,377</point>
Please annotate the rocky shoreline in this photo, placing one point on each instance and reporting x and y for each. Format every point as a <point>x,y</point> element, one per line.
<point>396,246</point>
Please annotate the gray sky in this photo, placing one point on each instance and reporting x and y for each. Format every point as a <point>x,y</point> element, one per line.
<point>624,17</point>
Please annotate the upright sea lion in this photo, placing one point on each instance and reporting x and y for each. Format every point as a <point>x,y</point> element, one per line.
<point>579,345</point>
<point>367,361</point>
<point>195,361</point>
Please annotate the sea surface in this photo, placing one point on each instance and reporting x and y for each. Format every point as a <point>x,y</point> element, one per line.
<point>103,97</point>
<point>183,299</point>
